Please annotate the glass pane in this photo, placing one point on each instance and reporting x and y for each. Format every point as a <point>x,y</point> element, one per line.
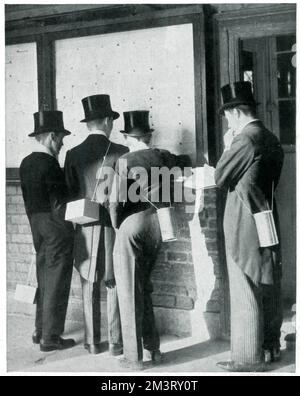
<point>286,75</point>
<point>287,118</point>
<point>247,66</point>
<point>285,43</point>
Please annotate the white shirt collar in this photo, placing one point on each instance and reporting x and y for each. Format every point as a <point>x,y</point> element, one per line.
<point>99,132</point>
<point>43,149</point>
<point>247,123</point>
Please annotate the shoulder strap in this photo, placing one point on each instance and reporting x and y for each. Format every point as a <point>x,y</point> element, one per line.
<point>100,172</point>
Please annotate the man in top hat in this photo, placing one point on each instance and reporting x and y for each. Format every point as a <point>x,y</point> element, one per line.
<point>249,169</point>
<point>138,237</point>
<point>94,242</point>
<point>45,194</point>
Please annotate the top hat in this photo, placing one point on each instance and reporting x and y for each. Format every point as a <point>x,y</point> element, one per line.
<point>98,106</point>
<point>136,123</point>
<point>236,94</point>
<point>48,121</point>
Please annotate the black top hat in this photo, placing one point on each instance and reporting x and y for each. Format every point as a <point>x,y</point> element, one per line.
<point>98,106</point>
<point>136,123</point>
<point>48,121</point>
<point>237,93</point>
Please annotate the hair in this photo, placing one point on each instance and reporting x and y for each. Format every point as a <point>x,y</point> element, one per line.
<point>248,110</point>
<point>42,137</point>
<point>145,139</point>
<point>96,123</point>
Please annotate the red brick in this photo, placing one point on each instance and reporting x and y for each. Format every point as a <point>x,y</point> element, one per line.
<point>22,238</point>
<point>11,190</point>
<point>13,247</point>
<point>178,246</point>
<point>167,288</point>
<point>212,213</point>
<point>163,300</point>
<point>212,246</point>
<point>183,302</point>
<point>176,256</point>
<point>25,249</point>
<point>212,224</point>
<point>24,229</point>
<point>11,209</point>
<point>17,199</point>
<point>19,219</point>
<point>161,256</point>
<point>11,229</point>
<point>20,209</point>
<point>211,234</point>
<point>210,199</point>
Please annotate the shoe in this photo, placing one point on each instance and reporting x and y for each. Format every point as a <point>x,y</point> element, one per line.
<point>242,368</point>
<point>135,365</point>
<point>155,356</point>
<point>115,349</point>
<point>93,349</point>
<point>272,355</point>
<point>56,343</point>
<point>276,355</point>
<point>36,337</point>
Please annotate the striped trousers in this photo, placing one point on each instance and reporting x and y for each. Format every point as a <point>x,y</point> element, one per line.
<point>256,315</point>
<point>92,313</point>
<point>246,316</point>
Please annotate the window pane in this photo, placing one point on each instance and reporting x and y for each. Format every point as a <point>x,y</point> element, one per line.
<point>287,117</point>
<point>285,43</point>
<point>286,75</point>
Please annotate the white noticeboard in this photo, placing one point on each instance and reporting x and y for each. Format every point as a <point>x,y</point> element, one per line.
<point>147,69</point>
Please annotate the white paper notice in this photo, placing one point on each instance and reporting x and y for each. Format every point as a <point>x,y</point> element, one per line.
<point>203,177</point>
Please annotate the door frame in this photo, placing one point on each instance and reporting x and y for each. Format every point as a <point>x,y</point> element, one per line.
<point>229,29</point>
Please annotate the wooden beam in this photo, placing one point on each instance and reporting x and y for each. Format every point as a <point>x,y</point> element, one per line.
<point>87,19</point>
<point>46,76</point>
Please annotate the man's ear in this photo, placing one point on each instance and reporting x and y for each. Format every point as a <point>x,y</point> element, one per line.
<point>52,135</point>
<point>236,113</point>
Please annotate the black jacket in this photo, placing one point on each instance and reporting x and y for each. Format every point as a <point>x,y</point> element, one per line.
<point>43,184</point>
<point>121,204</point>
<point>248,170</point>
<point>82,164</point>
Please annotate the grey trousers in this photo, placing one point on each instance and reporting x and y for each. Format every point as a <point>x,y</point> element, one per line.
<point>135,252</point>
<point>92,313</point>
<point>256,315</point>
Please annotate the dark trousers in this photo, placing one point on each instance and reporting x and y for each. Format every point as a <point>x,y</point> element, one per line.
<point>272,311</point>
<point>53,242</point>
<point>136,248</point>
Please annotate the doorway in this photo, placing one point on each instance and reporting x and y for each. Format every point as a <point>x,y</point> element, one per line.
<point>257,45</point>
<point>269,64</point>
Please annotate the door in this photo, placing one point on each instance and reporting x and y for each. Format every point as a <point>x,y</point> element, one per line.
<point>269,64</point>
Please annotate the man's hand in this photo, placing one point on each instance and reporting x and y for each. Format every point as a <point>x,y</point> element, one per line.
<point>110,283</point>
<point>228,138</point>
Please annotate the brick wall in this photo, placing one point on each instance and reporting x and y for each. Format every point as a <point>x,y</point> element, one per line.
<point>174,283</point>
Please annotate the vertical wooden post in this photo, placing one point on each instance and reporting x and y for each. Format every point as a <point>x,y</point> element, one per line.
<point>46,73</point>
